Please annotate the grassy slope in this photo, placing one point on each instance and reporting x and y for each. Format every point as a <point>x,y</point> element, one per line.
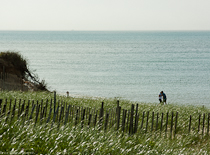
<point>19,138</point>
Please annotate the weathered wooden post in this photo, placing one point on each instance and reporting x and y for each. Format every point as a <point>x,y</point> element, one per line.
<point>76,116</point>
<point>166,124</point>
<point>19,108</point>
<point>54,101</point>
<point>157,122</point>
<point>46,108</point>
<point>41,115</point>
<point>106,121</point>
<point>152,121</point>
<point>41,110</point>
<point>142,121</point>
<point>208,124</point>
<point>23,107</point>
<point>83,117</point>
<point>131,119</point>
<point>4,110</point>
<point>48,119</point>
<point>123,117</point>
<point>190,124</point>
<point>199,120</point>
<point>26,112</point>
<point>51,103</point>
<point>175,130</point>
<point>89,120</point>
<point>136,119</point>
<point>95,119</point>
<point>161,124</point>
<point>67,115</point>
<point>101,115</point>
<point>172,116</point>
<point>37,114</point>
<point>8,113</point>
<point>203,123</point>
<point>13,111</point>
<point>118,114</point>
<point>147,120</point>
<point>32,111</point>
<point>127,124</point>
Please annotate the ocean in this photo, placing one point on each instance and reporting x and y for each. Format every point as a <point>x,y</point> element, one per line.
<point>132,65</point>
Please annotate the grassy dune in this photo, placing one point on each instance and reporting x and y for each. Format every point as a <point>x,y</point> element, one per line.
<point>26,137</point>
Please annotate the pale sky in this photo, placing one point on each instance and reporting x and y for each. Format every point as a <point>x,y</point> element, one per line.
<point>104,15</point>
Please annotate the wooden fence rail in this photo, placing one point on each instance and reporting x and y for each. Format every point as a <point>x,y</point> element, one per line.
<point>129,121</point>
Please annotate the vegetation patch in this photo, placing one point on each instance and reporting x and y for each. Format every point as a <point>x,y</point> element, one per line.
<point>14,63</point>
<point>25,136</point>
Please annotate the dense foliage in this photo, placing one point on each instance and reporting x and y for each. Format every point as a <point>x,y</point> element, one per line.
<point>14,63</point>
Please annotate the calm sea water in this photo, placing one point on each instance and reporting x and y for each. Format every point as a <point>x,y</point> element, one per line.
<point>130,65</point>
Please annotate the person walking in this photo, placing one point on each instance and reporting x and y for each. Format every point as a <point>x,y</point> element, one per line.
<point>164,97</point>
<point>160,97</point>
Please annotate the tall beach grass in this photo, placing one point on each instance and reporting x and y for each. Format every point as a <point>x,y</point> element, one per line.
<point>27,138</point>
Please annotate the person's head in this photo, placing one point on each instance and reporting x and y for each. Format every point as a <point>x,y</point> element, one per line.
<point>161,92</point>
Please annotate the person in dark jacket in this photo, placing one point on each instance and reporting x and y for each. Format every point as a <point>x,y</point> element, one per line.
<point>164,97</point>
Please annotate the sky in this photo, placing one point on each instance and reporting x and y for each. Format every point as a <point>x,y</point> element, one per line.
<point>100,15</point>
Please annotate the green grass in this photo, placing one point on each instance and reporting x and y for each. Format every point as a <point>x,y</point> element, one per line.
<point>18,137</point>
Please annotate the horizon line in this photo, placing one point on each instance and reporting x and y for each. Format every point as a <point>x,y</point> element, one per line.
<point>108,30</point>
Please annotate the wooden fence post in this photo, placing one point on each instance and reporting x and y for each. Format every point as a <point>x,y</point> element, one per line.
<point>131,119</point>
<point>199,120</point>
<point>172,116</point>
<point>147,120</point>
<point>23,107</point>
<point>166,124</point>
<point>67,115</point>
<point>54,100</point>
<point>37,114</point>
<point>9,111</point>
<point>101,115</point>
<point>19,108</point>
<point>32,111</point>
<point>118,114</point>
<point>208,124</point>
<point>76,117</point>
<point>48,119</point>
<point>127,123</point>
<point>142,121</point>
<point>89,120</point>
<point>46,108</point>
<point>95,119</point>
<point>136,119</point>
<point>106,121</point>
<point>190,124</point>
<point>161,124</point>
<point>4,110</point>
<point>124,119</point>
<point>203,123</point>
<point>13,111</point>
<point>157,122</point>
<point>152,121</point>
<point>83,117</point>
<point>175,130</point>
